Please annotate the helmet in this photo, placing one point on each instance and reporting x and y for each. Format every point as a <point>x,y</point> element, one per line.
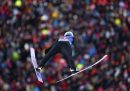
<point>70,34</point>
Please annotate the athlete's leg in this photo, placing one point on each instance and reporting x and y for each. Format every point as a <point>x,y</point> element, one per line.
<point>54,49</point>
<point>66,51</point>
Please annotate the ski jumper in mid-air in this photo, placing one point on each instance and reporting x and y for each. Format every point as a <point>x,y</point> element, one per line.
<point>63,46</point>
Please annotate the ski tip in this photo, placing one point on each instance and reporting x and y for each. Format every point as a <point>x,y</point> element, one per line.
<point>31,48</point>
<point>105,57</point>
<point>57,82</point>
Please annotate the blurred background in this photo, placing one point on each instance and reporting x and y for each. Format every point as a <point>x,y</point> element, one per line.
<point>100,27</point>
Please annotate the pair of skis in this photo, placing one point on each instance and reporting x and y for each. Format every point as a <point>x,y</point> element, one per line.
<point>38,74</point>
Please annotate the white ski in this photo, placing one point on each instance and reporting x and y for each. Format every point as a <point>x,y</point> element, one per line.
<point>83,69</point>
<point>34,63</point>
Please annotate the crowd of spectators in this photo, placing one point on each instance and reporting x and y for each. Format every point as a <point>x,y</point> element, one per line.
<point>100,27</point>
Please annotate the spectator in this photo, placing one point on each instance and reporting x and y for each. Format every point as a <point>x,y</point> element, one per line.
<point>100,28</point>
